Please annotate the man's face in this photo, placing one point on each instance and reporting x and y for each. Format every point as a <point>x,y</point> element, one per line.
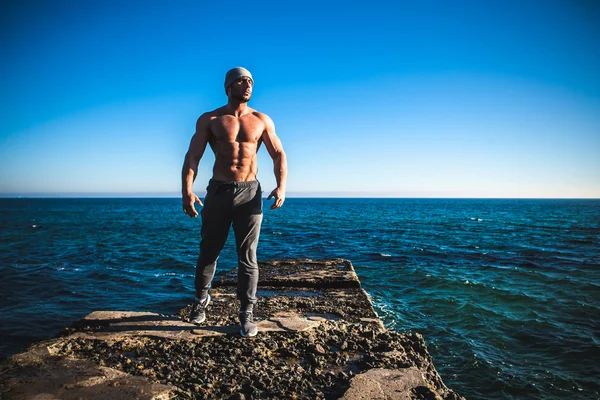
<point>241,89</point>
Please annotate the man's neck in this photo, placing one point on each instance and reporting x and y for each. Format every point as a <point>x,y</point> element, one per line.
<point>237,109</point>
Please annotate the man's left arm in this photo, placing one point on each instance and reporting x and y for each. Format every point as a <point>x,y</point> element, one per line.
<point>275,149</point>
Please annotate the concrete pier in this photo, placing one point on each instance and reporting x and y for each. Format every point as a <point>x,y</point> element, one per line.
<point>319,338</point>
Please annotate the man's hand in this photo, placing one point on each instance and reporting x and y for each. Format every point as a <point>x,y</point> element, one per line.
<point>188,201</point>
<point>279,195</point>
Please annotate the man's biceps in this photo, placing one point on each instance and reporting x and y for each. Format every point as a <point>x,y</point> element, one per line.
<point>277,143</point>
<point>268,143</point>
<point>198,145</point>
<point>273,142</point>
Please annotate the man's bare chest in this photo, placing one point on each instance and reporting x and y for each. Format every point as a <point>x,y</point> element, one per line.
<point>243,129</point>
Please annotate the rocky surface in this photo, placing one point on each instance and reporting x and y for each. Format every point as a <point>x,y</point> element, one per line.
<point>322,340</point>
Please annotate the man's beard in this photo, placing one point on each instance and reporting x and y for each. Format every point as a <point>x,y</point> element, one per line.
<point>242,98</point>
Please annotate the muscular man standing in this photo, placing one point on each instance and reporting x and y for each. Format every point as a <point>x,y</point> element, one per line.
<point>233,196</point>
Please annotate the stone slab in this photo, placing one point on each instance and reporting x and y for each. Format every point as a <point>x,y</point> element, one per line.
<point>385,384</point>
<point>117,324</point>
<point>70,378</point>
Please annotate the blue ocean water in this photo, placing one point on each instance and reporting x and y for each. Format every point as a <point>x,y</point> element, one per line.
<point>505,292</point>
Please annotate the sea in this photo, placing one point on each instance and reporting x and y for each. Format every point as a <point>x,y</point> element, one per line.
<point>506,292</point>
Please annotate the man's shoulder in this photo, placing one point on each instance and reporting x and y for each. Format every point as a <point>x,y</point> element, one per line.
<point>206,119</point>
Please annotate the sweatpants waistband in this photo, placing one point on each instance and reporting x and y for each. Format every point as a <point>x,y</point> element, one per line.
<point>233,183</point>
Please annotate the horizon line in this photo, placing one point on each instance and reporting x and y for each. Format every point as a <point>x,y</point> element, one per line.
<point>293,195</point>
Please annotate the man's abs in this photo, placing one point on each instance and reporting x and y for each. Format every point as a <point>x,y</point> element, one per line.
<point>241,168</point>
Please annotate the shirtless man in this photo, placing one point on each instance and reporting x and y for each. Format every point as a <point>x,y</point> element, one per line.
<point>233,196</point>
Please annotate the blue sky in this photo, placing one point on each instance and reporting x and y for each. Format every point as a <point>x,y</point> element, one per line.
<point>402,99</point>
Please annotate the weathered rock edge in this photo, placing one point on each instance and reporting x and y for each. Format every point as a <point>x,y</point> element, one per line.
<point>320,339</point>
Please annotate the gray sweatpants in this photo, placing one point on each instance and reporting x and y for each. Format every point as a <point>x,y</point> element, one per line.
<point>238,204</point>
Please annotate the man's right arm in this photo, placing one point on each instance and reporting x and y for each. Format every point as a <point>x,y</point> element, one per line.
<point>191,163</point>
